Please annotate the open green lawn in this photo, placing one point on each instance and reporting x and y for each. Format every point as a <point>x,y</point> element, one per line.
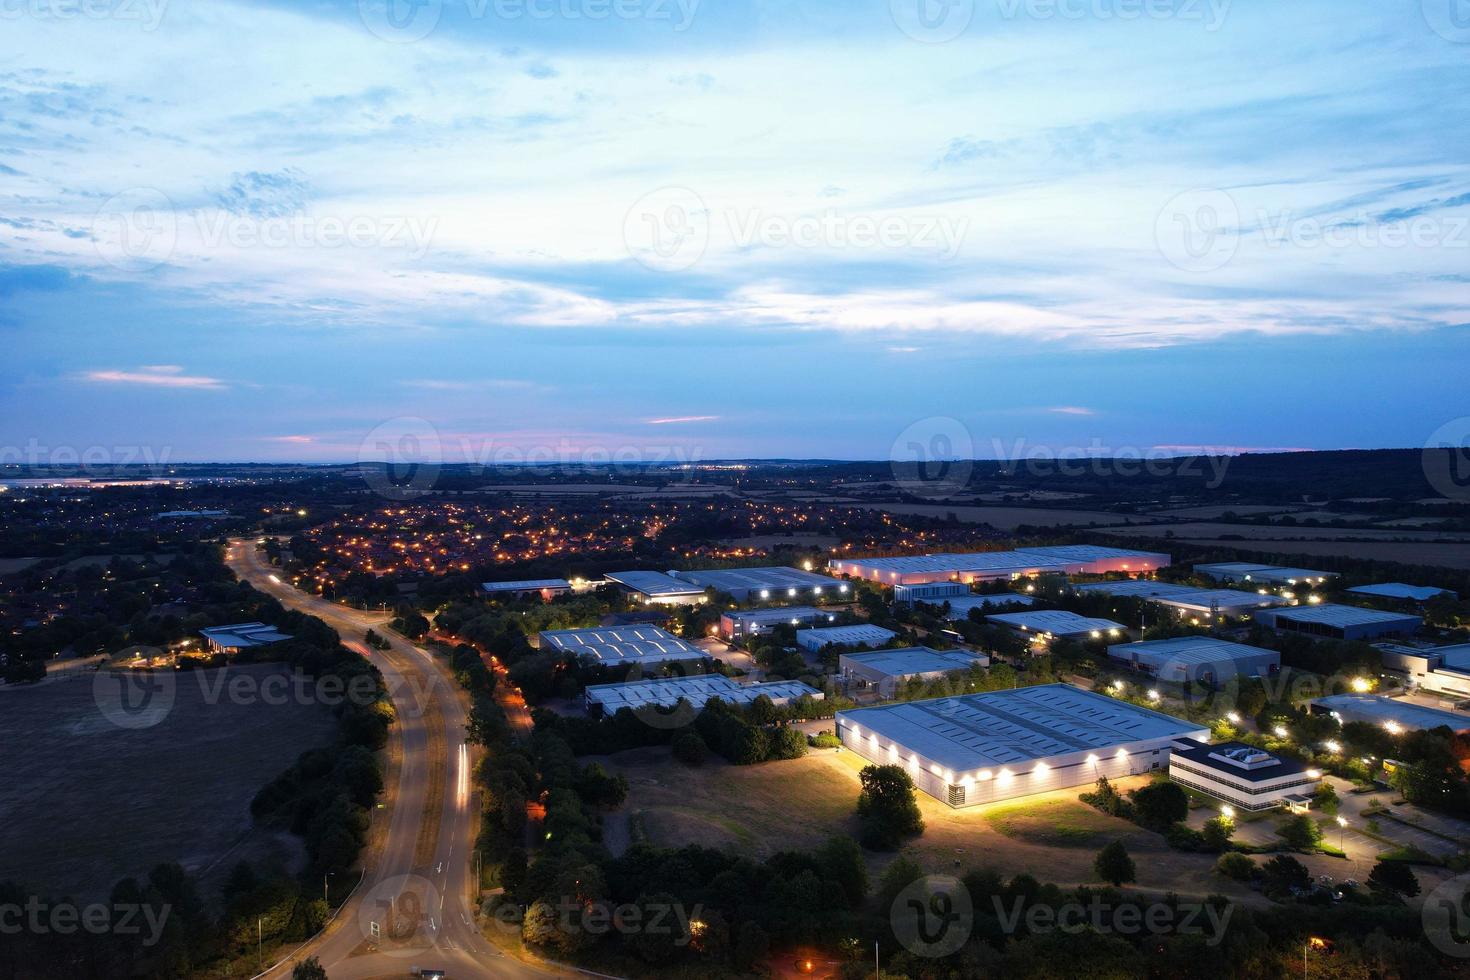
<point>1053,822</point>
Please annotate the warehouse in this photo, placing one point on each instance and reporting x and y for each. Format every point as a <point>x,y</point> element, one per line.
<point>658,587</point>
<point>861,635</point>
<point>748,622</point>
<point>961,607</point>
<point>762,584</point>
<point>1097,560</point>
<point>931,592</point>
<point>666,692</point>
<point>1439,670</point>
<point>964,568</point>
<point>1402,592</point>
<point>1196,659</point>
<point>1242,571</point>
<point>611,646</point>
<point>1242,775</point>
<point>979,748</point>
<point>1186,600</point>
<point>886,669</point>
<point>1133,588</point>
<point>1394,715</point>
<point>241,636</point>
<point>1339,622</point>
<point>546,588</point>
<point>1058,624</point>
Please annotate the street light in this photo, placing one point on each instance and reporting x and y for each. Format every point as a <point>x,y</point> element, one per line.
<point>1341,833</point>
<point>326,900</point>
<point>1227,811</point>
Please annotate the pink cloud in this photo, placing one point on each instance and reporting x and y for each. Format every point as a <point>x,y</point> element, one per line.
<point>155,376</point>
<point>680,419</point>
<point>1072,410</point>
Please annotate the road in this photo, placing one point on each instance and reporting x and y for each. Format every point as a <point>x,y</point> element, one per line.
<point>418,886</point>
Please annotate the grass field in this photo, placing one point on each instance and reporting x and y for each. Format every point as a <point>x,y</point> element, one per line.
<point>1053,822</point>
<point>1407,552</point>
<point>85,803</point>
<point>1009,518</point>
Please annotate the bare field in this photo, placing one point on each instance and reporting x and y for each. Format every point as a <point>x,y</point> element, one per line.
<point>1009,518</point>
<point>86,803</point>
<point>1275,532</point>
<point>1448,555</point>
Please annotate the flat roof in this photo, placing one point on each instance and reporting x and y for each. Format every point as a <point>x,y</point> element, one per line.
<point>1136,587</point>
<point>1191,650</point>
<point>1251,569</point>
<point>621,644</point>
<point>960,605</point>
<point>526,585</point>
<point>1093,552</point>
<point>1224,598</point>
<point>1007,728</point>
<point>244,635</point>
<point>1057,622</point>
<point>1404,713</point>
<point>697,691</point>
<point>654,583</point>
<point>980,561</point>
<point>1261,766</point>
<point>779,614</point>
<point>773,578</point>
<point>1398,590</point>
<point>1341,616</point>
<point>913,660</point>
<point>847,635</point>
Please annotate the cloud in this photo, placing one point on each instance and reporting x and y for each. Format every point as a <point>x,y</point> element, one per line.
<point>294,440</point>
<point>154,376</point>
<point>265,195</point>
<point>682,419</point>
<point>1071,410</point>
<point>437,384</point>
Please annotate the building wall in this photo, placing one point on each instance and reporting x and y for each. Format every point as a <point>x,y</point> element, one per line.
<point>1265,796</point>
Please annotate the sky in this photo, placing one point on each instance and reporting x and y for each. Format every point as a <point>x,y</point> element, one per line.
<point>694,229</point>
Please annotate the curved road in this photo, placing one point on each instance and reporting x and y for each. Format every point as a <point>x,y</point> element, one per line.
<point>418,885</point>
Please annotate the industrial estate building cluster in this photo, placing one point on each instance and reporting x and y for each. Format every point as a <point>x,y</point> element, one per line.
<point>978,748</point>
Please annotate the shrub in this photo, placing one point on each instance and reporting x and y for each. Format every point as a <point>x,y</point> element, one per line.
<point>1236,866</point>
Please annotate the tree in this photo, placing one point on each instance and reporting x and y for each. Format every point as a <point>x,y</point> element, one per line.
<point>309,969</point>
<point>842,862</point>
<point>887,809</point>
<point>689,748</point>
<point>751,944</point>
<point>1283,873</point>
<point>1324,798</point>
<point>1113,864</point>
<point>788,743</point>
<point>1161,804</point>
<point>1217,832</point>
<point>1300,833</point>
<point>1236,866</point>
<point>1393,878</point>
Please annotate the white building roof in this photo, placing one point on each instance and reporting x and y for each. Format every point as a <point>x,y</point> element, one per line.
<point>1398,590</point>
<point>1225,599</point>
<point>697,691</point>
<point>1137,588</point>
<point>984,732</point>
<point>654,584</point>
<point>1375,708</point>
<point>960,606</point>
<point>860,634</point>
<point>1342,617</point>
<point>244,635</point>
<point>621,644</point>
<point>1057,622</point>
<point>795,615</point>
<point>913,660</point>
<point>776,580</point>
<point>982,561</point>
<point>1189,651</point>
<point>1093,552</point>
<point>527,585</point>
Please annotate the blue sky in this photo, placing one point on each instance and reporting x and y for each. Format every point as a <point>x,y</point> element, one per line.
<point>702,229</point>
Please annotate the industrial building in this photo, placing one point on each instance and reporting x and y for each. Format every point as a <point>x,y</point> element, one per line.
<point>886,669</point>
<point>667,692</point>
<point>750,584</point>
<point>931,592</point>
<point>860,635</point>
<point>960,608</point>
<point>748,622</point>
<point>1244,571</point>
<point>1439,670</point>
<point>1394,715</point>
<point>1402,592</point>
<point>241,636</point>
<point>1242,775</point>
<point>546,588</point>
<point>1196,659</point>
<point>979,748</point>
<point>1339,622</point>
<point>611,646</point>
<point>1058,624</point>
<point>658,587</point>
<point>1187,600</point>
<point>989,565</point>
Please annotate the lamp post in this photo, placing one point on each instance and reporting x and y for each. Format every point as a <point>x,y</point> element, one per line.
<point>324,887</point>
<point>1342,834</point>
